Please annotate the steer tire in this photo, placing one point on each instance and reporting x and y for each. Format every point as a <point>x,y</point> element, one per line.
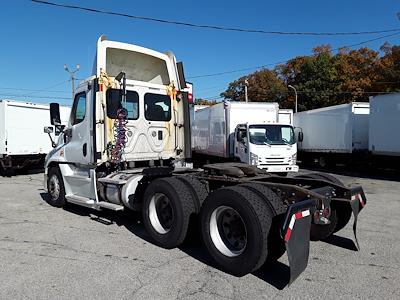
<point>255,215</point>
<point>55,188</point>
<point>167,232</point>
<point>276,244</point>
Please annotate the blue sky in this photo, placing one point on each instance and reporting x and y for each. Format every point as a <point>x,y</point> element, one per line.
<point>37,40</point>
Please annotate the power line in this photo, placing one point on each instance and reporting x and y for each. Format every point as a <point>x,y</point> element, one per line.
<point>30,90</point>
<point>47,89</point>
<point>223,28</point>
<point>285,61</point>
<point>30,96</point>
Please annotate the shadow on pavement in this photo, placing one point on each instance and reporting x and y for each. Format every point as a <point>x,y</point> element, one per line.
<point>276,273</point>
<point>367,173</point>
<point>342,242</point>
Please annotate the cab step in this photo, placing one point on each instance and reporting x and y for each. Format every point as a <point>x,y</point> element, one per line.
<point>111,206</point>
<point>80,200</point>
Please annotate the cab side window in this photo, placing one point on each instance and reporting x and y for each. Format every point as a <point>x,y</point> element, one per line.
<point>79,108</point>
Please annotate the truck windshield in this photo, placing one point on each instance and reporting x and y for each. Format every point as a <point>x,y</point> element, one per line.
<point>271,134</point>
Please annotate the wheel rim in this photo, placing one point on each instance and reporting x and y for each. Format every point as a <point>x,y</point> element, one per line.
<point>54,187</point>
<point>228,231</point>
<point>161,213</point>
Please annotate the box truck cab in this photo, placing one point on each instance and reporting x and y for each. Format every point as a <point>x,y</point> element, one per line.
<point>268,146</point>
<point>246,132</point>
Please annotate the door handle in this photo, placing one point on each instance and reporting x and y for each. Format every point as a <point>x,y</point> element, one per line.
<point>84,149</point>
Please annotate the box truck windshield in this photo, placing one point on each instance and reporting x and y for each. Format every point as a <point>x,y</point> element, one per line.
<point>271,134</point>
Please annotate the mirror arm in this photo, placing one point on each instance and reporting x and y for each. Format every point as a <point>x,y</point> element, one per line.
<point>53,144</point>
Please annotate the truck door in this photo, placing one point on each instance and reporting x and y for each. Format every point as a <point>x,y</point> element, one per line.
<point>78,148</point>
<point>241,143</point>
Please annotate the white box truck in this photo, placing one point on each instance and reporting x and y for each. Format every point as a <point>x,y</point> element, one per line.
<point>22,140</point>
<point>333,134</point>
<point>384,122</point>
<point>245,132</point>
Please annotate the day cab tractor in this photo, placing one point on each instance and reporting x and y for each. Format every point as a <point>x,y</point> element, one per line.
<point>127,147</point>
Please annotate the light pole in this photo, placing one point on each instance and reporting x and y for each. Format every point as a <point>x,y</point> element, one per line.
<point>72,74</point>
<point>246,83</point>
<point>295,97</point>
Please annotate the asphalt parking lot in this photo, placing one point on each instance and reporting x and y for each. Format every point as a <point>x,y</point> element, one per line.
<point>50,253</point>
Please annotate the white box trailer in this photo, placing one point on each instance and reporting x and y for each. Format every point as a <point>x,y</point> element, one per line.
<point>384,122</point>
<point>22,139</point>
<point>331,131</point>
<point>285,116</point>
<point>248,132</point>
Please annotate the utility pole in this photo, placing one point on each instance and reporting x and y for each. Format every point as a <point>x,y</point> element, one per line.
<point>72,74</point>
<point>246,83</point>
<point>295,97</point>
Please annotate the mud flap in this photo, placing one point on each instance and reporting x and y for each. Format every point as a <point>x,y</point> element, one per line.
<point>357,203</point>
<point>296,234</point>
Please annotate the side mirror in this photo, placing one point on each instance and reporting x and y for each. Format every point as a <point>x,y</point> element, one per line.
<point>48,129</point>
<point>55,118</point>
<point>300,136</point>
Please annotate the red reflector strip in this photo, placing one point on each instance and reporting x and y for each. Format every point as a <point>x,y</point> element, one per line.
<point>359,198</point>
<point>296,216</point>
<point>101,87</point>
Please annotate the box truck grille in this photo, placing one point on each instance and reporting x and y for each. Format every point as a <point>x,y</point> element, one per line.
<point>273,161</point>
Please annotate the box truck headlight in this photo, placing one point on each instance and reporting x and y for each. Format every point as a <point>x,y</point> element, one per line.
<point>253,159</point>
<point>294,158</point>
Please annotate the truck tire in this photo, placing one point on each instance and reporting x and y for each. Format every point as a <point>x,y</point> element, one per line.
<point>198,189</point>
<point>235,224</point>
<point>55,188</point>
<point>167,206</point>
<point>340,213</point>
<point>276,244</point>
<point>343,210</point>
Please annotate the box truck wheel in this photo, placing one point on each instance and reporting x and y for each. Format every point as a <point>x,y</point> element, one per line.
<point>167,206</point>
<point>55,187</point>
<point>235,224</point>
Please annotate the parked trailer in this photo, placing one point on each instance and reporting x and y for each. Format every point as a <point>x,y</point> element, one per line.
<point>245,132</point>
<point>22,140</point>
<point>126,147</point>
<point>384,121</point>
<point>333,134</point>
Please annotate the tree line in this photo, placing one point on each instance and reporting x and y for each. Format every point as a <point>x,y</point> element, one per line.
<point>324,78</point>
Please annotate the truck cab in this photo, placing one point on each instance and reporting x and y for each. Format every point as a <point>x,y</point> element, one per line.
<point>271,147</point>
<point>128,115</point>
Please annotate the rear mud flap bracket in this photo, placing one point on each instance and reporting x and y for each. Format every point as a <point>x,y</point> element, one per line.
<point>357,203</point>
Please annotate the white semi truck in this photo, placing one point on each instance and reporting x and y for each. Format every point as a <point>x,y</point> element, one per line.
<point>22,140</point>
<point>334,134</point>
<point>127,147</point>
<point>246,132</point>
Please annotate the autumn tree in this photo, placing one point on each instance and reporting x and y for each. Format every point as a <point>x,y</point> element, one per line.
<point>201,101</point>
<point>263,85</point>
<point>324,78</point>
